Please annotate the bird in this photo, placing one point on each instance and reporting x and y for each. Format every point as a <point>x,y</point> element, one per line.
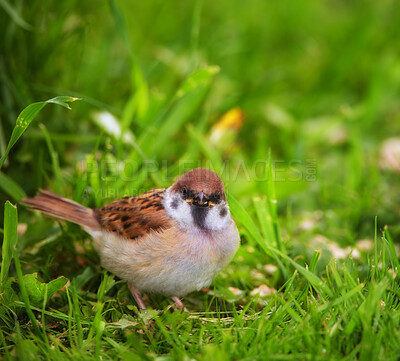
<point>169,241</point>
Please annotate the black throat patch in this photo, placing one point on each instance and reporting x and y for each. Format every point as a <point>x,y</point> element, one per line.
<point>199,215</point>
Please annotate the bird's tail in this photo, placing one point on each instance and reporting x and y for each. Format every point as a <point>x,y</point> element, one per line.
<point>57,206</point>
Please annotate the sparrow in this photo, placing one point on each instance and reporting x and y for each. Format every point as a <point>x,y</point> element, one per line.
<point>169,241</point>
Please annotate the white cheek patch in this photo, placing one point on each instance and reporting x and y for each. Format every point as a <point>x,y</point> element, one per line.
<point>218,217</point>
<point>178,209</point>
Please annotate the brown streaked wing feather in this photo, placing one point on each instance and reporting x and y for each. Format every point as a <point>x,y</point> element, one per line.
<point>133,217</point>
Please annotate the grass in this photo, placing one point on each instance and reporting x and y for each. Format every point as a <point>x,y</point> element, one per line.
<point>290,102</point>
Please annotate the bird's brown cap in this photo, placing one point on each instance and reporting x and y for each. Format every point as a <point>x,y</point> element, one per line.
<point>200,180</point>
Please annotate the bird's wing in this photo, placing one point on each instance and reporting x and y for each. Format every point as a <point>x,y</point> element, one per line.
<point>134,217</point>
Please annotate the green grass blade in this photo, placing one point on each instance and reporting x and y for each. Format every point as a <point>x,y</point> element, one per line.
<point>388,238</point>
<point>315,281</point>
<point>138,104</point>
<point>11,187</point>
<point>272,201</point>
<point>199,78</point>
<point>54,159</point>
<point>264,219</point>
<point>344,297</point>
<point>241,214</point>
<point>13,14</point>
<point>10,240</point>
<point>23,121</point>
<point>62,100</point>
<point>376,259</point>
<point>28,115</point>
<point>78,315</point>
<point>314,261</point>
<point>184,104</point>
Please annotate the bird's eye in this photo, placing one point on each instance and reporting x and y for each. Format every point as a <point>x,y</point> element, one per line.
<point>187,194</point>
<point>215,198</point>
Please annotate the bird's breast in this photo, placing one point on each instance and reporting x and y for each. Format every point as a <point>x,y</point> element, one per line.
<point>171,262</point>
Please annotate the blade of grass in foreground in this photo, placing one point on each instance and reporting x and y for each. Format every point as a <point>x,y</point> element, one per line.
<point>10,240</point>
<point>27,115</point>
<point>9,250</point>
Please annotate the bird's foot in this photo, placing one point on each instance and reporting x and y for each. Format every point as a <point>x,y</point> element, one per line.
<point>179,304</point>
<point>137,296</point>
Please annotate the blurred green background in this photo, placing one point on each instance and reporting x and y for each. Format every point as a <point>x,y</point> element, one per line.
<point>294,103</point>
<point>317,82</point>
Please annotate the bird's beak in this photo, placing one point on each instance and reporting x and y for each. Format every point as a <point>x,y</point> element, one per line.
<point>201,197</point>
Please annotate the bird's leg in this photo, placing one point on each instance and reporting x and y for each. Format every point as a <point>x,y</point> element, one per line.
<point>137,296</point>
<point>178,303</point>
